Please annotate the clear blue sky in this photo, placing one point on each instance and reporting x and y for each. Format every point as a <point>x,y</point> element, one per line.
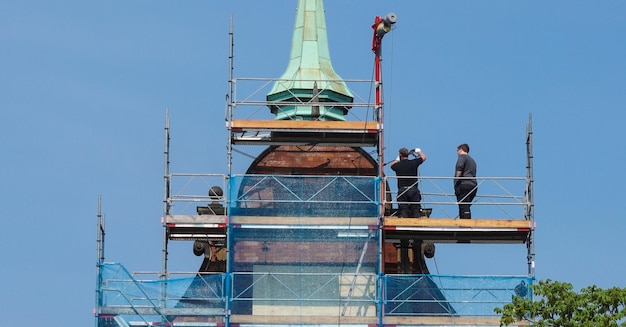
<point>84,86</point>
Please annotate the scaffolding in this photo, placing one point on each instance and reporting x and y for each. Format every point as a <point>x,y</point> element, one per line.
<point>310,249</point>
<point>316,242</point>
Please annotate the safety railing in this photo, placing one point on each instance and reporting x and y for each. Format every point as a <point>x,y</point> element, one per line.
<point>440,295</point>
<point>162,299</point>
<point>310,196</point>
<point>186,192</point>
<point>250,98</point>
<point>340,196</point>
<point>287,290</point>
<point>496,198</point>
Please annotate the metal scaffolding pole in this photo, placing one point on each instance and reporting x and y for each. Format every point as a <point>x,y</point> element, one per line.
<point>530,214</point>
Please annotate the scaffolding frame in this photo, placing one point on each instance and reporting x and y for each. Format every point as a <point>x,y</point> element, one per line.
<point>390,226</point>
<point>362,132</point>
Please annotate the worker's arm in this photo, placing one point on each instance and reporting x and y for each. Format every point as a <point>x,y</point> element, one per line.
<point>458,171</point>
<point>418,152</point>
<point>395,161</point>
<point>422,155</point>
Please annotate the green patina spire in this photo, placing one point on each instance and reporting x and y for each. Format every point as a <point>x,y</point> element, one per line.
<point>310,75</point>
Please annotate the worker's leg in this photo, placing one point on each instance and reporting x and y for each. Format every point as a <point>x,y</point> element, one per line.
<point>464,196</point>
<point>416,207</point>
<point>403,205</point>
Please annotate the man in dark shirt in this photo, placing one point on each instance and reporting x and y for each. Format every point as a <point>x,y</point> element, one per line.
<point>409,196</point>
<point>465,185</point>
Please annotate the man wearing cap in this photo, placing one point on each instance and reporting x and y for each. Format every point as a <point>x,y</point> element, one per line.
<point>409,196</point>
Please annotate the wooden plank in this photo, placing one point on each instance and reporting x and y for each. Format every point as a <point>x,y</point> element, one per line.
<point>195,219</point>
<point>264,220</point>
<point>303,124</point>
<point>440,222</point>
<point>451,321</point>
<point>294,319</point>
<point>403,320</point>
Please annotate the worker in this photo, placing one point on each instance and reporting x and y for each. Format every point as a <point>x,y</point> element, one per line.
<point>465,186</point>
<point>409,196</point>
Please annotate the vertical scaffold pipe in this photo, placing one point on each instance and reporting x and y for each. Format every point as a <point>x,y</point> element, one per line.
<point>529,196</point>
<point>229,95</point>
<point>167,185</point>
<point>229,117</point>
<point>166,208</point>
<point>100,257</point>
<point>381,27</point>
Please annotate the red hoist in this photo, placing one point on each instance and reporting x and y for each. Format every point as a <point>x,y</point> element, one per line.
<point>381,27</point>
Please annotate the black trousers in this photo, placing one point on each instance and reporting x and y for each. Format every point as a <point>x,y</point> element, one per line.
<point>465,194</point>
<point>412,195</point>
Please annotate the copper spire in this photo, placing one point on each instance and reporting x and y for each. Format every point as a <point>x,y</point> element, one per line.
<point>310,77</point>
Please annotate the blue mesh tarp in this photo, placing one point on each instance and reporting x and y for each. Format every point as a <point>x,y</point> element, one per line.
<point>450,295</point>
<point>120,289</point>
<point>299,196</point>
<point>304,267</point>
<point>349,289</point>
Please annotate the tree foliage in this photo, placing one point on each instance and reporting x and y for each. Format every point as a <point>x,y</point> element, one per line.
<point>557,305</point>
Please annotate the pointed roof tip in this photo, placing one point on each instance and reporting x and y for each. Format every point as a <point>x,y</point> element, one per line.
<point>309,60</point>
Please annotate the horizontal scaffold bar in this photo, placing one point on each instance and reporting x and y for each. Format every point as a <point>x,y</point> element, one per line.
<point>152,311</point>
<point>308,125</point>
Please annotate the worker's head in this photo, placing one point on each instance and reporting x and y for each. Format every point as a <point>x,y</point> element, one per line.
<point>463,147</point>
<point>403,152</point>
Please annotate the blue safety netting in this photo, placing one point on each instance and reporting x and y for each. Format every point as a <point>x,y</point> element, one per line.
<point>467,296</point>
<point>304,270</point>
<point>300,289</point>
<point>119,289</point>
<point>299,196</point>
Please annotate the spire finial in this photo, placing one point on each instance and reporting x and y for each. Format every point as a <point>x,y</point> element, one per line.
<point>310,74</point>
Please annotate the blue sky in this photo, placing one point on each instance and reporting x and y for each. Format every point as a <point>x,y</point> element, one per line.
<point>84,86</point>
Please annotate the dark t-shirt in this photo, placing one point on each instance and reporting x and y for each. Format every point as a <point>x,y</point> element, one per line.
<point>405,168</point>
<point>467,166</point>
